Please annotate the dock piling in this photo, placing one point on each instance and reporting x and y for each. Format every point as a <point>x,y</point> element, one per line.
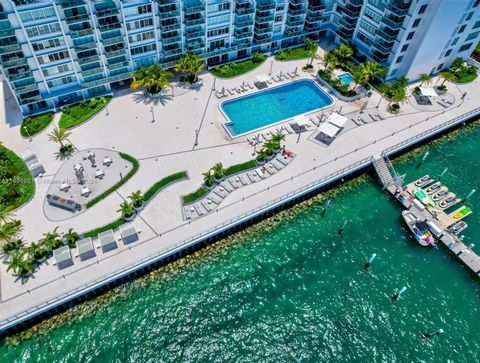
<point>423,159</point>
<point>398,294</point>
<point>367,265</point>
<point>435,333</point>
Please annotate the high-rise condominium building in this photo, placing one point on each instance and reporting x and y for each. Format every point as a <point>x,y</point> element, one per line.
<point>57,52</point>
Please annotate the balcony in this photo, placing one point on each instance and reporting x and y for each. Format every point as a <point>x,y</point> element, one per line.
<point>30,99</point>
<point>243,22</point>
<point>170,14</point>
<point>81,33</point>
<point>244,10</point>
<point>18,76</point>
<point>263,30</point>
<point>15,62</point>
<point>87,60</point>
<point>68,4</point>
<point>10,48</point>
<point>172,40</point>
<point>296,12</point>
<point>106,12</point>
<point>193,22</point>
<point>117,65</point>
<point>7,33</point>
<point>85,46</point>
<point>169,53</point>
<point>188,10</point>
<point>26,88</point>
<point>114,40</point>
<point>109,27</point>
<point>115,53</point>
<point>90,72</point>
<point>243,34</point>
<point>264,17</point>
<point>170,27</point>
<point>77,18</point>
<point>195,45</point>
<point>195,34</point>
<point>262,37</point>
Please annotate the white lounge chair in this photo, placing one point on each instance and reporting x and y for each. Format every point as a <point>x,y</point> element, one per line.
<point>107,161</point>
<point>99,174</point>
<point>85,192</point>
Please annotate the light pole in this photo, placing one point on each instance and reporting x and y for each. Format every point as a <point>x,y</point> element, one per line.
<point>196,137</point>
<point>153,115</point>
<point>271,68</point>
<point>106,108</point>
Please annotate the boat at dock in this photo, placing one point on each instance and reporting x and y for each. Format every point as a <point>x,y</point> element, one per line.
<point>461,213</point>
<point>425,180</point>
<point>435,187</point>
<point>418,228</point>
<point>442,193</point>
<point>424,197</point>
<point>457,227</point>
<point>449,201</point>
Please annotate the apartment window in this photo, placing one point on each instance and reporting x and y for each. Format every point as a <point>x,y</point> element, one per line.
<point>472,36</point>
<point>218,19</point>
<point>141,36</point>
<point>43,29</point>
<point>404,48</point>
<point>448,53</point>
<point>56,70</point>
<point>422,9</point>
<point>455,41</point>
<point>277,29</point>
<point>53,57</point>
<point>465,47</point>
<point>416,23</point>
<point>476,25</point>
<point>140,24</point>
<point>217,32</point>
<point>399,59</point>
<point>144,9</point>
<point>475,4</point>
<point>280,8</point>
<point>218,7</point>
<point>440,66</point>
<point>37,14</point>
<point>278,18</point>
<point>462,29</point>
<point>60,81</point>
<point>143,49</point>
<point>469,16</point>
<point>410,35</point>
<point>216,44</point>
<point>46,44</point>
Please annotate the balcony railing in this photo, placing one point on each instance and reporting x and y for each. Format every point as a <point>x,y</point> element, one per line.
<point>195,34</point>
<point>260,18</point>
<point>115,53</point>
<point>17,62</point>
<point>244,11</point>
<point>168,53</point>
<point>31,99</point>
<point>170,14</point>
<point>242,22</point>
<point>10,48</point>
<point>193,9</point>
<point>263,30</point>
<point>193,22</point>
<point>81,33</point>
<point>18,76</point>
<point>170,27</point>
<point>114,40</point>
<point>87,60</point>
<point>26,88</point>
<point>92,71</point>
<point>77,18</point>
<point>117,65</point>
<point>109,27</point>
<point>106,12</point>
<point>243,34</point>
<point>172,40</point>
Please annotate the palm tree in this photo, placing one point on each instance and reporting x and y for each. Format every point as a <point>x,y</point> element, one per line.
<point>37,252</point>
<point>71,237</point>
<point>10,230</point>
<point>358,76</point>
<point>154,79</point>
<point>343,52</point>
<point>52,240</point>
<point>311,47</point>
<point>277,139</point>
<point>5,216</point>
<point>218,171</point>
<point>59,135</point>
<point>126,209</point>
<point>21,265</point>
<point>137,199</point>
<point>371,70</point>
<point>262,155</point>
<point>270,146</point>
<point>12,245</point>
<point>190,63</point>
<point>208,178</point>
<point>447,76</point>
<point>329,60</point>
<point>425,78</point>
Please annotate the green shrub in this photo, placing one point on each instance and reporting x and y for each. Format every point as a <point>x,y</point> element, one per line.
<point>95,232</point>
<point>234,169</point>
<point>135,166</point>
<point>196,195</point>
<point>153,190</point>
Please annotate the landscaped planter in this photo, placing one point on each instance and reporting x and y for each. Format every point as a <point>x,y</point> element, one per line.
<point>139,208</point>
<point>336,93</point>
<point>260,163</point>
<point>129,218</point>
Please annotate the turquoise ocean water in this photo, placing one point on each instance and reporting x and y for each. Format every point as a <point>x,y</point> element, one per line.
<point>291,290</point>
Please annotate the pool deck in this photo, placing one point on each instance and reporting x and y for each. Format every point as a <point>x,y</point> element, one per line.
<point>450,241</point>
<point>187,134</point>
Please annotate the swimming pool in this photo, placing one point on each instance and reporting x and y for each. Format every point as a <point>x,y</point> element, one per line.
<point>265,108</point>
<point>346,78</point>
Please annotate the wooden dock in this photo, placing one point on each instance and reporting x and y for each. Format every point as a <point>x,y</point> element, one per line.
<point>404,194</point>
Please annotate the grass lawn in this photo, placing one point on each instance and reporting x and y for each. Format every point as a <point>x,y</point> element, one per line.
<point>189,198</point>
<point>16,182</point>
<point>109,191</point>
<point>236,68</point>
<point>153,190</point>
<point>35,124</point>
<point>234,169</point>
<point>81,112</point>
<point>292,54</point>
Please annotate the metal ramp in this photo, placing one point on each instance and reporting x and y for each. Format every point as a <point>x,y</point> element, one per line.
<point>381,168</point>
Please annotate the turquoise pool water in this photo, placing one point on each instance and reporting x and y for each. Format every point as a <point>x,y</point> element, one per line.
<point>268,107</point>
<point>346,78</point>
